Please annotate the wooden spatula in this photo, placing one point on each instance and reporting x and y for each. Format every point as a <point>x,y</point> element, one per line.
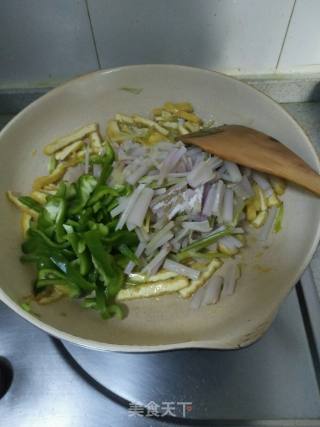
<point>256,150</point>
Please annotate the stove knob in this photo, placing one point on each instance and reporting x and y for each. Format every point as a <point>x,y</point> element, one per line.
<point>6,376</point>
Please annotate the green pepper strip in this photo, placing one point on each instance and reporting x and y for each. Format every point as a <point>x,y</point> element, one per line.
<point>122,236</point>
<point>101,303</point>
<point>60,231</point>
<point>106,311</point>
<point>71,191</point>
<point>112,204</point>
<point>123,189</point>
<point>73,223</point>
<point>96,207</point>
<point>127,252</point>
<point>104,262</point>
<point>106,161</point>
<point>84,261</point>
<point>38,243</point>
<point>86,186</point>
<point>99,216</point>
<point>89,303</point>
<point>50,273</point>
<point>30,203</point>
<point>29,258</point>
<point>100,192</point>
<point>116,310</point>
<point>61,191</point>
<point>71,274</point>
<point>52,217</point>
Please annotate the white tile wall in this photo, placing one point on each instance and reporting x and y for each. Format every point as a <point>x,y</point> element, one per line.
<point>43,41</point>
<point>301,51</point>
<point>46,41</point>
<point>242,36</point>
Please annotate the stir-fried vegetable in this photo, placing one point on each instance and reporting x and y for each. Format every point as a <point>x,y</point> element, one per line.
<point>139,215</point>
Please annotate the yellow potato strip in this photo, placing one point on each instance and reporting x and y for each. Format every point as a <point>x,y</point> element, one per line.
<point>204,277</point>
<point>122,118</point>
<point>184,106</point>
<point>66,151</point>
<point>13,199</point>
<point>191,127</point>
<point>155,137</point>
<point>170,107</point>
<point>170,125</point>
<point>260,219</point>
<point>60,143</point>
<point>25,223</point>
<point>182,130</point>
<point>39,197</point>
<point>56,175</point>
<point>113,130</point>
<point>190,117</point>
<point>273,201</point>
<point>153,289</point>
<point>226,250</point>
<point>278,184</point>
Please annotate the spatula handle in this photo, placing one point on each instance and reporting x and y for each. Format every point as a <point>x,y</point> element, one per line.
<point>258,151</point>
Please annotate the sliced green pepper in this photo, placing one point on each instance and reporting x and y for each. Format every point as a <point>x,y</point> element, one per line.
<point>30,203</point>
<point>122,236</point>
<point>71,274</point>
<point>85,188</point>
<point>112,276</point>
<point>100,192</point>
<point>84,260</point>
<point>127,252</point>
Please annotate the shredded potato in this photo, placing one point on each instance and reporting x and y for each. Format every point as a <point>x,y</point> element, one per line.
<point>39,197</point>
<point>55,176</point>
<point>25,223</point>
<point>14,199</point>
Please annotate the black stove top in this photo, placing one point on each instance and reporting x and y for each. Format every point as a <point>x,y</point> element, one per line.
<point>50,382</point>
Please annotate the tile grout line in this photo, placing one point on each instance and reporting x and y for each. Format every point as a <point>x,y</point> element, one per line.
<point>92,33</point>
<point>309,332</point>
<point>285,35</point>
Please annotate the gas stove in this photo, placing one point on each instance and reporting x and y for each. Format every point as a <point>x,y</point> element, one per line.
<point>274,382</point>
<point>54,383</point>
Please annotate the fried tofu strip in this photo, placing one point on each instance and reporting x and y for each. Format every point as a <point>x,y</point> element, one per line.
<point>66,151</point>
<point>55,176</point>
<point>153,289</point>
<point>79,134</point>
<point>204,277</point>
